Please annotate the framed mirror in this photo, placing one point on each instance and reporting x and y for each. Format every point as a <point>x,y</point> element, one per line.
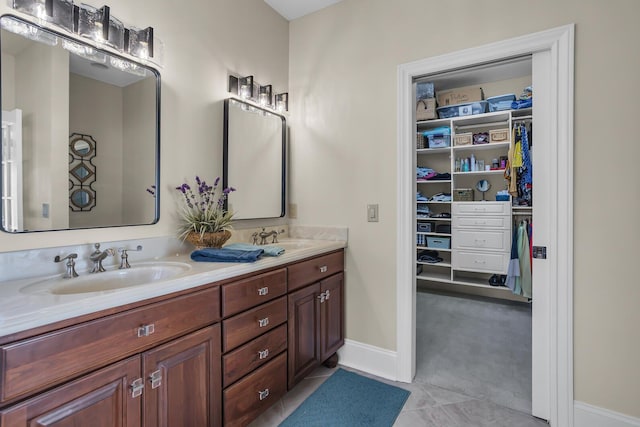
<point>254,160</point>
<point>80,133</point>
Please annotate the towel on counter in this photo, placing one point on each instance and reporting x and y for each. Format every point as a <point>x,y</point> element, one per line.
<point>269,250</point>
<point>226,255</point>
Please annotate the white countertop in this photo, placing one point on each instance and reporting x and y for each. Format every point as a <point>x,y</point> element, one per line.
<point>20,311</point>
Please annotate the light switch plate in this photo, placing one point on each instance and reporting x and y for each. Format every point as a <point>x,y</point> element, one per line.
<point>372,213</point>
<point>293,210</point>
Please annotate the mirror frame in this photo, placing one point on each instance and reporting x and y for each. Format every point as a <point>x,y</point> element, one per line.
<point>158,85</point>
<point>225,154</point>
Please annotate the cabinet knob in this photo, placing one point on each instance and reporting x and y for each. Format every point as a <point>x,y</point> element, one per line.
<point>263,291</point>
<point>263,394</point>
<point>156,379</point>
<point>263,322</point>
<point>136,387</point>
<point>146,330</point>
<point>321,297</point>
<point>323,269</point>
<point>263,354</point>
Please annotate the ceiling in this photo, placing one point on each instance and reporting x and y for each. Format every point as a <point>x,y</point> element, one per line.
<point>293,9</point>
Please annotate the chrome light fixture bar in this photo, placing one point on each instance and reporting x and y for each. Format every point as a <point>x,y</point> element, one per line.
<point>247,89</point>
<point>96,24</point>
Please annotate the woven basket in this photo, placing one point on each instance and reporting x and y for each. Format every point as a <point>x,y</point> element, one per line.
<point>208,240</point>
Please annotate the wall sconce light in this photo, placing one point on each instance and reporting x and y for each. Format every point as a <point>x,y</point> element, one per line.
<point>96,24</point>
<point>282,102</point>
<point>241,86</point>
<point>265,96</point>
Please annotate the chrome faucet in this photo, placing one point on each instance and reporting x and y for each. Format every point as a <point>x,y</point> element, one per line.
<point>264,234</point>
<point>124,256</point>
<point>98,256</point>
<point>71,265</point>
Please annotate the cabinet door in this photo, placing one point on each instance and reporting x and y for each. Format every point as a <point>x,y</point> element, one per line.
<point>304,328</point>
<point>331,316</point>
<point>183,381</point>
<point>101,399</point>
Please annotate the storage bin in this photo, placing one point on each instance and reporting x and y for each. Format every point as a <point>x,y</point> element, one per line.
<point>443,228</point>
<point>438,137</point>
<point>420,141</point>
<point>425,227</point>
<point>438,242</point>
<point>459,110</point>
<point>501,102</point>
<point>499,135</point>
<point>426,109</point>
<point>463,138</point>
<point>463,195</point>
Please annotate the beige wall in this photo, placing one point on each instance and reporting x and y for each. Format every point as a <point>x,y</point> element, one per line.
<point>95,109</point>
<point>204,40</point>
<point>343,64</point>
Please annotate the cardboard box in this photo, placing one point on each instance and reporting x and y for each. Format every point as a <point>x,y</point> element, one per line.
<point>426,109</point>
<point>459,96</point>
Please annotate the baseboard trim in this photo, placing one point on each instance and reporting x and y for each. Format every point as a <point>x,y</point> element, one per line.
<point>585,415</point>
<point>370,359</point>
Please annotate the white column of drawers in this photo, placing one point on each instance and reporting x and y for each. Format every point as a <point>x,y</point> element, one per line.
<point>481,236</point>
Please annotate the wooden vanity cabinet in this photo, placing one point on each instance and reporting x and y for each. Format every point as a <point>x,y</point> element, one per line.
<point>155,365</point>
<point>316,315</point>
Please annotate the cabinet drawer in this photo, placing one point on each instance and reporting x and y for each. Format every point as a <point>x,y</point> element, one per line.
<point>498,240</point>
<point>482,222</point>
<point>490,262</point>
<point>313,270</point>
<point>36,363</point>
<point>481,208</point>
<point>242,295</point>
<point>250,396</point>
<point>243,327</point>
<point>252,355</point>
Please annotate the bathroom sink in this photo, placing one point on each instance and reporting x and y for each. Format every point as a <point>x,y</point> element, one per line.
<point>290,245</point>
<point>137,275</point>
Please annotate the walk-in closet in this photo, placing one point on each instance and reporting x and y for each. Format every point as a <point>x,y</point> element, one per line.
<point>474,231</point>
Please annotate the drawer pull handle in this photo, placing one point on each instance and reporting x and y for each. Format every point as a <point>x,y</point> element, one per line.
<point>321,297</point>
<point>156,379</point>
<point>136,387</point>
<point>323,269</point>
<point>263,354</point>
<point>263,394</point>
<point>263,291</point>
<point>146,330</point>
<point>326,295</point>
<point>263,322</point>
<point>480,262</point>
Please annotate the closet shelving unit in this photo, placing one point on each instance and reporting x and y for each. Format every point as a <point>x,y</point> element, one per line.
<point>443,160</point>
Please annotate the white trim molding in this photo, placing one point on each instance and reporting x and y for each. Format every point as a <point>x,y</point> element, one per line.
<point>368,358</point>
<point>559,43</point>
<point>586,415</point>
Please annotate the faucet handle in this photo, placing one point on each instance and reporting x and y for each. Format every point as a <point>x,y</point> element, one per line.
<point>254,236</point>
<point>124,256</point>
<point>71,264</point>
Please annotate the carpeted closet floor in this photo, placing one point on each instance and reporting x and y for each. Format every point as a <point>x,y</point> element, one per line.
<point>475,346</point>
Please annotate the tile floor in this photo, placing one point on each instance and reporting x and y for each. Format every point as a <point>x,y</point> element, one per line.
<point>427,406</point>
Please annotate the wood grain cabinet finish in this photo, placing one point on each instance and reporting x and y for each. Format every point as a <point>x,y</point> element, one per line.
<point>183,381</point>
<point>34,364</point>
<point>313,270</point>
<point>252,395</point>
<point>315,327</point>
<point>100,399</point>
<point>247,293</point>
<point>245,326</point>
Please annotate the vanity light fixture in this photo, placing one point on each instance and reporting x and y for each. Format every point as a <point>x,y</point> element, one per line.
<point>95,24</point>
<point>29,31</point>
<point>241,86</point>
<point>282,102</point>
<point>265,96</point>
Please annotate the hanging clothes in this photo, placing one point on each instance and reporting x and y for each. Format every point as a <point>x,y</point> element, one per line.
<point>513,269</point>
<point>524,281</point>
<point>525,172</point>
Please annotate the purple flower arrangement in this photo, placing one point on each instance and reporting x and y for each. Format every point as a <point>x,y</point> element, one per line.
<point>203,209</point>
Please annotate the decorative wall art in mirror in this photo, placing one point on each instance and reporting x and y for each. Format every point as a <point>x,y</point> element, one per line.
<point>254,160</point>
<point>80,133</point>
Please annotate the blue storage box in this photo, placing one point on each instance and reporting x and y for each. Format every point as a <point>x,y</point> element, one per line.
<point>438,137</point>
<point>438,242</point>
<point>425,227</point>
<point>459,110</point>
<point>501,102</point>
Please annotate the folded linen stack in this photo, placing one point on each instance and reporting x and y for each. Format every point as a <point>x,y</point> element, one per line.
<point>269,250</point>
<point>226,255</point>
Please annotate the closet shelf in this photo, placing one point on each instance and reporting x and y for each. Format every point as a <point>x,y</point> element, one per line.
<point>437,181</point>
<point>433,249</point>
<point>482,147</point>
<point>491,172</point>
<point>434,219</point>
<point>433,150</point>
<point>430,233</point>
<point>435,264</point>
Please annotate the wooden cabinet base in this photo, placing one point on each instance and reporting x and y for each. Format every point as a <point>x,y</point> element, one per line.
<point>332,361</point>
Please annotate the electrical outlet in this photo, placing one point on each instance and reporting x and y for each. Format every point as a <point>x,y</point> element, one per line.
<point>293,210</point>
<point>372,213</point>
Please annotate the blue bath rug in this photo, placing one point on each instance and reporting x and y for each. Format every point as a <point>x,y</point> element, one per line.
<point>348,399</point>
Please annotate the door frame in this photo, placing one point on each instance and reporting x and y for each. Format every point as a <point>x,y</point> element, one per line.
<point>559,44</point>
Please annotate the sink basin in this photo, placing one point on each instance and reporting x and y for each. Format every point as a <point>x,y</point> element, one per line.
<point>290,245</point>
<point>141,274</point>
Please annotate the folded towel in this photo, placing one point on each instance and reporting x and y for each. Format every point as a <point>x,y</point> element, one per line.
<point>269,250</point>
<point>226,255</point>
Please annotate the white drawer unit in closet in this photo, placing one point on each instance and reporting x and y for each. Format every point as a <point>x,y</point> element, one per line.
<point>481,236</point>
